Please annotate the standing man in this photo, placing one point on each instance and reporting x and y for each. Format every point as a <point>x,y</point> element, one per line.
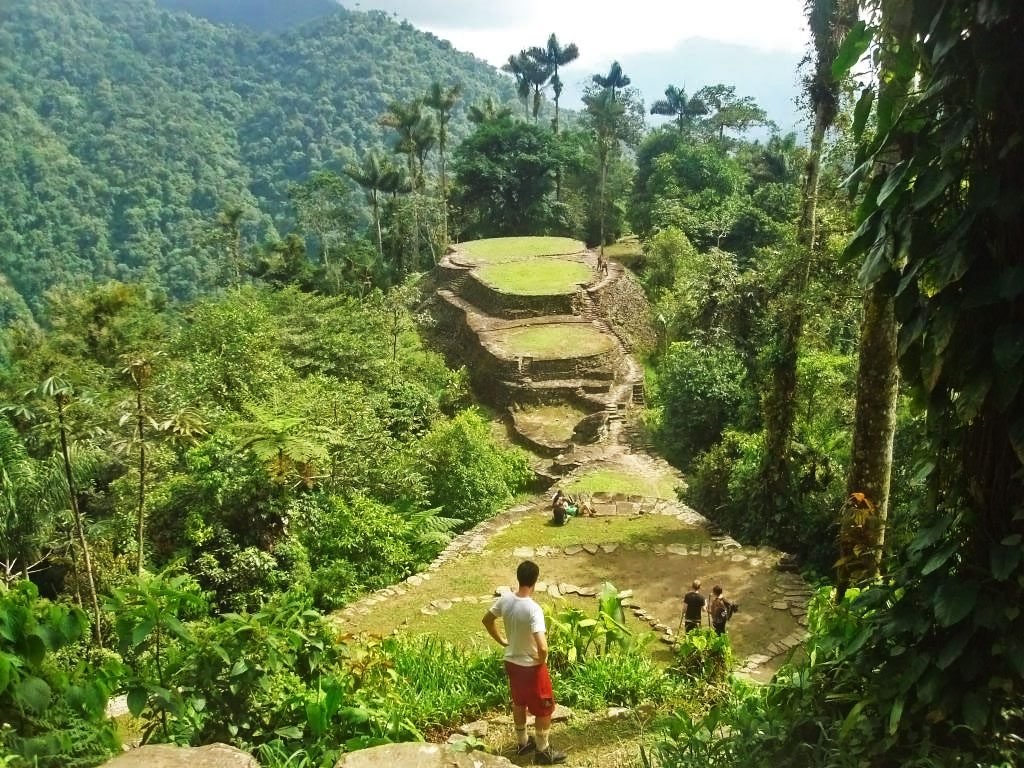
<point>693,606</point>
<point>526,655</point>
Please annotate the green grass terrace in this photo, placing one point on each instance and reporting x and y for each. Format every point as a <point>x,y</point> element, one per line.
<point>552,341</point>
<point>496,250</point>
<point>535,277</point>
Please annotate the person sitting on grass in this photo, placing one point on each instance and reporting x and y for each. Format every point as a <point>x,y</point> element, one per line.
<point>562,508</point>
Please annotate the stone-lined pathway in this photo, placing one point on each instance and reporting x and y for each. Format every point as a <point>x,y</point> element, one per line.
<point>791,595</point>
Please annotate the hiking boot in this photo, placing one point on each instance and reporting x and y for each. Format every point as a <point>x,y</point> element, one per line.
<point>527,748</point>
<point>549,756</point>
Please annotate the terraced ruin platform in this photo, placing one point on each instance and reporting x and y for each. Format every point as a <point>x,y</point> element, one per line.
<point>538,324</point>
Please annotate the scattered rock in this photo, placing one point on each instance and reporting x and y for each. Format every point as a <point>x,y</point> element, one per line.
<point>677,549</point>
<point>419,755</point>
<point>415,580</point>
<point>477,729</point>
<point>705,550</point>
<point>523,553</point>
<point>429,611</point>
<point>614,713</point>
<point>738,558</point>
<point>590,549</point>
<point>166,756</point>
<point>587,592</point>
<point>568,589</point>
<point>658,627</point>
<point>499,591</point>
<point>780,605</point>
<point>573,549</point>
<point>553,591</point>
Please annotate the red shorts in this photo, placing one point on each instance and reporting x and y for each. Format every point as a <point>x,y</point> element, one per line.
<point>531,688</point>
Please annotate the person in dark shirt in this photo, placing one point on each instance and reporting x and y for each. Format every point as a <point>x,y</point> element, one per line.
<point>693,606</point>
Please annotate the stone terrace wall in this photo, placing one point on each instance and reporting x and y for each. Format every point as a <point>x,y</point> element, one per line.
<point>624,304</point>
<point>513,305</point>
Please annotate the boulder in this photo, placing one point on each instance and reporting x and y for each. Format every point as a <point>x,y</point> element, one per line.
<point>167,756</point>
<point>420,756</point>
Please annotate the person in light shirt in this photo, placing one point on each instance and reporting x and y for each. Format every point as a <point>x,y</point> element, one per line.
<point>526,654</point>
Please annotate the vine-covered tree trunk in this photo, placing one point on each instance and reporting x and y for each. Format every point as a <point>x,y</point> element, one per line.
<point>862,528</point>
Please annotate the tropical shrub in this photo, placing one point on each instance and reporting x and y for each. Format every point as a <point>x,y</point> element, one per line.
<point>469,475</point>
<point>53,714</point>
<point>700,386</point>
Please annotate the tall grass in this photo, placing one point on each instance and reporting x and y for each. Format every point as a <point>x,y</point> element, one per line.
<point>436,684</point>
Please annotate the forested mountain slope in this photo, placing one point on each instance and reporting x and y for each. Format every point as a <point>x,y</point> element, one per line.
<point>125,128</point>
<point>261,15</point>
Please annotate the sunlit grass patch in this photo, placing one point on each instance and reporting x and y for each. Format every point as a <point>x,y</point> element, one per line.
<point>536,277</point>
<point>554,340</point>
<point>614,481</point>
<point>497,249</point>
<point>626,251</point>
<point>537,531</point>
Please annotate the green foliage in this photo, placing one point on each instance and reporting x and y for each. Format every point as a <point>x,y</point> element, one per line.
<point>704,657</point>
<point>469,476</point>
<point>700,388</point>
<point>146,622</point>
<point>424,689</point>
<point>503,180</point>
<point>621,678</point>
<point>127,129</point>
<point>53,714</point>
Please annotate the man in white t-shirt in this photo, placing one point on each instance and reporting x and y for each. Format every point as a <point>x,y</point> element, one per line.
<point>526,655</point>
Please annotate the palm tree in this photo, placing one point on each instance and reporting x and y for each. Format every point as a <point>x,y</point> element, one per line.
<point>553,55</point>
<point>677,105</point>
<point>373,175</point>
<point>531,76</point>
<point>614,81</point>
<point>606,114</point>
<point>514,66</point>
<point>487,111</point>
<point>443,102</point>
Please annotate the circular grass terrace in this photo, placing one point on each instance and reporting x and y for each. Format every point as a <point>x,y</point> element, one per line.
<point>548,424</point>
<point>495,250</point>
<point>552,341</point>
<point>535,277</point>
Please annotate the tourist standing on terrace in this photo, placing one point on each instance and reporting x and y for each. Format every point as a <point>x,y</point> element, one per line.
<point>526,655</point>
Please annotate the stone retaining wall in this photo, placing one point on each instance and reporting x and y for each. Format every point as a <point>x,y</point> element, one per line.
<point>625,306</point>
<point>497,303</point>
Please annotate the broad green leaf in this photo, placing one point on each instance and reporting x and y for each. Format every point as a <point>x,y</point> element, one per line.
<point>33,693</point>
<point>895,714</point>
<point>931,183</point>
<point>137,698</point>
<point>892,182</point>
<point>5,672</point>
<point>176,627</point>
<point>1004,560</point>
<point>293,732</point>
<point>35,649</point>
<point>239,668</point>
<point>954,648</point>
<point>851,719</point>
<point>953,602</point>
<point>852,48</point>
<point>862,111</point>
<point>141,631</point>
<point>940,557</point>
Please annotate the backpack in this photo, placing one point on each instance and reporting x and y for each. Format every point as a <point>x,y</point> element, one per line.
<point>720,611</point>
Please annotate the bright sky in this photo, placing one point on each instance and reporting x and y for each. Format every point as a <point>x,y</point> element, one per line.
<point>603,30</point>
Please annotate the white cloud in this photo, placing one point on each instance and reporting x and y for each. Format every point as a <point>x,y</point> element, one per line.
<point>603,30</point>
